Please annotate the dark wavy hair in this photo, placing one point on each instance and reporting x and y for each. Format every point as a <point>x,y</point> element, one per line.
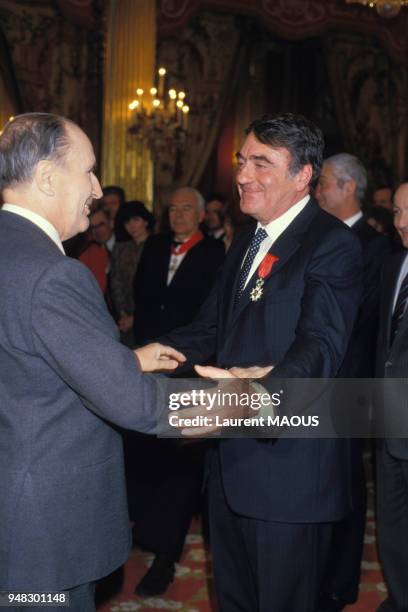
<point>135,208</point>
<point>300,136</point>
<point>115,189</point>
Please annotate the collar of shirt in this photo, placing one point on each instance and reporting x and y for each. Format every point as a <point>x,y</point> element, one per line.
<point>39,221</point>
<point>352,220</point>
<point>219,233</point>
<point>274,229</point>
<point>110,243</point>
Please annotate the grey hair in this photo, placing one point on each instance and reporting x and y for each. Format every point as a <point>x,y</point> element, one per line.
<point>199,197</point>
<point>348,167</point>
<point>28,139</point>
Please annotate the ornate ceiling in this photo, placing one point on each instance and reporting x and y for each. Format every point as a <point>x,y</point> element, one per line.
<point>294,19</point>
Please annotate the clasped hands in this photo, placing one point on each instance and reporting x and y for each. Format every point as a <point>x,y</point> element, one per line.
<point>239,383</point>
<point>157,357</point>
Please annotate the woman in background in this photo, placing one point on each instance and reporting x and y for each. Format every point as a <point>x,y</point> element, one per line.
<point>138,223</point>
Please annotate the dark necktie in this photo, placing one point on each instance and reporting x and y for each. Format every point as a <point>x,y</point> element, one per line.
<point>399,309</point>
<point>253,249</point>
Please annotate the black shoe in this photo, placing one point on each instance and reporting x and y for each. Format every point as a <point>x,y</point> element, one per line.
<point>331,603</point>
<point>157,578</point>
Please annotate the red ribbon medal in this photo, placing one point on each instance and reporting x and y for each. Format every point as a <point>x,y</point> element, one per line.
<point>186,246</point>
<point>264,269</point>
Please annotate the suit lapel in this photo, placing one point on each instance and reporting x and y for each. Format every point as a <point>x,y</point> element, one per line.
<point>390,282</point>
<point>284,247</point>
<point>389,290</point>
<point>234,262</point>
<point>163,261</point>
<point>183,267</point>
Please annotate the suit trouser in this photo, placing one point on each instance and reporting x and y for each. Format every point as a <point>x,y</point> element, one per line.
<point>346,549</point>
<point>264,566</point>
<point>392,515</point>
<point>164,490</point>
<point>81,599</point>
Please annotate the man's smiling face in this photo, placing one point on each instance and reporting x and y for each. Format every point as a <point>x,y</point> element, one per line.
<point>266,184</point>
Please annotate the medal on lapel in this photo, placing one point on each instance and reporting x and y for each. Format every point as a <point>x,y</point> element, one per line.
<point>264,269</point>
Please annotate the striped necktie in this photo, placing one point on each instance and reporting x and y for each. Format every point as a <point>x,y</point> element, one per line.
<point>400,307</point>
<point>253,249</point>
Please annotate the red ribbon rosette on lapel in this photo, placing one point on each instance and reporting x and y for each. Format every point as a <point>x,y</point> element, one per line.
<point>264,269</point>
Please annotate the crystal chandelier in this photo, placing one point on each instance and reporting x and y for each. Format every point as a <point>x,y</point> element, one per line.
<point>385,8</point>
<point>160,117</point>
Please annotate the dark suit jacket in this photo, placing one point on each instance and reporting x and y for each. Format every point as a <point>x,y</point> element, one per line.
<point>159,307</point>
<point>359,361</point>
<point>392,362</point>
<point>64,379</point>
<point>301,324</point>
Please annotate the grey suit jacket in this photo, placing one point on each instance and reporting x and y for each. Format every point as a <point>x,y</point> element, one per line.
<point>65,381</point>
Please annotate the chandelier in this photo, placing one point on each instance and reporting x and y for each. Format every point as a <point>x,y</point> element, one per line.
<point>385,8</point>
<point>160,117</point>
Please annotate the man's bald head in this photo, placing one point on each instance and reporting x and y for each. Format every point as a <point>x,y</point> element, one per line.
<point>401,213</point>
<point>186,211</point>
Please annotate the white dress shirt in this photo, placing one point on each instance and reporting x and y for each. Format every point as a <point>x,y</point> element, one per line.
<point>111,243</point>
<point>174,264</point>
<point>352,220</point>
<point>39,221</point>
<point>274,229</point>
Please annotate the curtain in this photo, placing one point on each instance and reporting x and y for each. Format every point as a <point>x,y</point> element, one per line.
<point>55,63</point>
<point>205,60</point>
<point>370,93</point>
<point>10,100</point>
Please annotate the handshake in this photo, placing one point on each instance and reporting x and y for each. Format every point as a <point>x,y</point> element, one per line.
<point>157,357</point>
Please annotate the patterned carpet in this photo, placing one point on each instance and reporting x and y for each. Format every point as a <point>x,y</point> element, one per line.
<point>191,590</point>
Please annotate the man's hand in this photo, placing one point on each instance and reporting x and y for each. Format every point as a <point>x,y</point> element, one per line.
<point>252,372</point>
<point>212,372</point>
<point>156,357</point>
<point>223,411</point>
<point>235,386</point>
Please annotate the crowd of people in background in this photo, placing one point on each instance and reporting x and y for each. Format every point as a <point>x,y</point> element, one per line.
<point>120,229</point>
<point>113,245</point>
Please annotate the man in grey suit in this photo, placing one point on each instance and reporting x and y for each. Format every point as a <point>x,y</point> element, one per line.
<point>392,456</point>
<point>65,380</point>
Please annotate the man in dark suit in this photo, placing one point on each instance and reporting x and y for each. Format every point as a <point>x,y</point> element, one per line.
<point>64,376</point>
<point>176,271</point>
<point>271,503</point>
<point>392,455</point>
<point>340,191</point>
<point>175,275</point>
<point>215,211</point>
